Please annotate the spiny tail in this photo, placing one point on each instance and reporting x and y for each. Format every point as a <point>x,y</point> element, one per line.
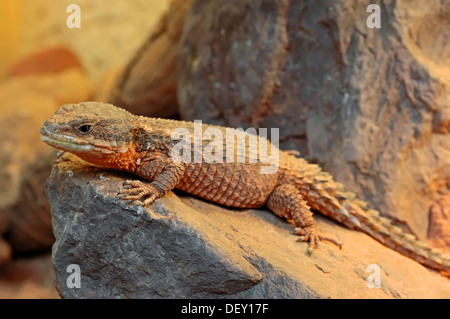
<point>330,198</point>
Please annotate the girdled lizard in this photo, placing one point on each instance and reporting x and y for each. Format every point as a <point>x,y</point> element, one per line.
<point>109,136</point>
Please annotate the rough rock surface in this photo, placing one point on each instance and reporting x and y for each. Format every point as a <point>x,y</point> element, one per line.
<point>439,232</point>
<point>183,247</point>
<point>370,105</point>
<point>25,162</point>
<point>148,84</point>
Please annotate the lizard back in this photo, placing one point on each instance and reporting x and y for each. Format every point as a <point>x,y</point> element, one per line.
<point>211,173</point>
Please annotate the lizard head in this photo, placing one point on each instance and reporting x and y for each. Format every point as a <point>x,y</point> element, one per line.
<point>99,133</point>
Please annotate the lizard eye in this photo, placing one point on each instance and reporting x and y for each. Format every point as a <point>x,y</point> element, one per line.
<point>85,128</point>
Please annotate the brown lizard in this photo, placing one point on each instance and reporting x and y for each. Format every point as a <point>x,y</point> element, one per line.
<point>109,136</point>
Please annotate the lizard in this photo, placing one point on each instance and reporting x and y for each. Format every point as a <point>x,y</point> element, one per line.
<point>109,136</point>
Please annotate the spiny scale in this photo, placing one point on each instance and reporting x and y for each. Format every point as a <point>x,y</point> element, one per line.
<point>332,200</point>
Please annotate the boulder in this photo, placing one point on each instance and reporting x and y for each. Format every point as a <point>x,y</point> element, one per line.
<point>370,105</point>
<point>183,247</point>
<point>148,83</point>
<point>439,232</point>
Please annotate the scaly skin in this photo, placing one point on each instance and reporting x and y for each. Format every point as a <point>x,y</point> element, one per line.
<point>105,135</point>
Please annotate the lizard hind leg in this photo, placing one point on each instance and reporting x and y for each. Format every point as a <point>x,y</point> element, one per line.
<point>287,202</point>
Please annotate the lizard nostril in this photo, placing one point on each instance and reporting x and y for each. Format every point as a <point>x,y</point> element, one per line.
<point>49,128</point>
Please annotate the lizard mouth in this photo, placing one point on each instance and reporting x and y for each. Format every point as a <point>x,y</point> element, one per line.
<point>65,142</point>
<point>83,148</point>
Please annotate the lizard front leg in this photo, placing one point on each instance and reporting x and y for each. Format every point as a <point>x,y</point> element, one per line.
<point>164,174</point>
<point>287,202</point>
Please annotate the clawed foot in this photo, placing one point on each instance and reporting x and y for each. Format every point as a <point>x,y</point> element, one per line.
<point>136,190</point>
<point>308,234</point>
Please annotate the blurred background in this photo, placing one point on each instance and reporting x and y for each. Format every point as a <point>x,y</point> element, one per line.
<point>109,34</point>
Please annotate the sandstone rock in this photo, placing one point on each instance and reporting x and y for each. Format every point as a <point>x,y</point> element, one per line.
<point>439,232</point>
<point>148,84</point>
<point>369,105</point>
<point>183,247</point>
<point>25,162</point>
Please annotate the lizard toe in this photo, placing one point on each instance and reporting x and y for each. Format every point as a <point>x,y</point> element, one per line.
<point>308,234</point>
<point>137,190</point>
<point>150,199</point>
<point>133,184</point>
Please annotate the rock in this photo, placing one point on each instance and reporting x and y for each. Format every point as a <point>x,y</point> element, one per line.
<point>106,85</point>
<point>25,162</point>
<point>183,247</point>
<point>439,232</point>
<point>148,84</point>
<point>48,60</point>
<point>369,105</point>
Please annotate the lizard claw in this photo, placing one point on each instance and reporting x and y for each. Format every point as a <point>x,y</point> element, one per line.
<point>308,234</point>
<point>136,190</point>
